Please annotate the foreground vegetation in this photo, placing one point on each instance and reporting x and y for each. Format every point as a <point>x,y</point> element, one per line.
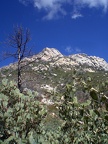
<point>25,120</point>
<point>20,115</point>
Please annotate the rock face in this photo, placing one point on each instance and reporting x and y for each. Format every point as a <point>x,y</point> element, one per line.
<point>88,63</point>
<point>92,62</point>
<point>51,57</point>
<point>48,54</point>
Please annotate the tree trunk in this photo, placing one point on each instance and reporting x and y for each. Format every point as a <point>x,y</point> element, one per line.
<point>19,69</point>
<point>19,77</point>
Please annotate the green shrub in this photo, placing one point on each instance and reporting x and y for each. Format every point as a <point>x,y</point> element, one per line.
<point>20,115</point>
<point>84,123</point>
<point>23,119</point>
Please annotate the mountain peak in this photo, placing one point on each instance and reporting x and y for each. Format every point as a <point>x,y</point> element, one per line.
<point>48,53</point>
<point>51,51</point>
<point>55,58</point>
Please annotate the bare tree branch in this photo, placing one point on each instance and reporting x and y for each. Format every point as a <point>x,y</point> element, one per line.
<point>18,40</point>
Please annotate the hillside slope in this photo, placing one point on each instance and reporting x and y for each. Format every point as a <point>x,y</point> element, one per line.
<point>50,71</point>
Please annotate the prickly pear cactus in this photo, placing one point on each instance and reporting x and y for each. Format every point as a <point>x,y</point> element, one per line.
<point>84,123</point>
<point>20,115</point>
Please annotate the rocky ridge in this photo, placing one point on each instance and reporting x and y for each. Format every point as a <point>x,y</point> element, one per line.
<point>51,57</point>
<point>55,58</point>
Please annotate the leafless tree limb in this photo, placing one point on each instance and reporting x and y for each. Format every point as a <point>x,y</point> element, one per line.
<point>19,41</point>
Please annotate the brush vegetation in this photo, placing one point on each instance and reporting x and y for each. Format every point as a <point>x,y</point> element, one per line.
<point>79,114</point>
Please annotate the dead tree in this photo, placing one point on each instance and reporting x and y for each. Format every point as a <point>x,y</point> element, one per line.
<point>19,41</point>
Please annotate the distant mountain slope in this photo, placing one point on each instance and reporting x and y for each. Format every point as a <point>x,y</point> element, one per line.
<point>51,71</point>
<point>55,58</point>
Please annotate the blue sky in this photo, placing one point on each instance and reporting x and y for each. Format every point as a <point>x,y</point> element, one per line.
<point>71,26</point>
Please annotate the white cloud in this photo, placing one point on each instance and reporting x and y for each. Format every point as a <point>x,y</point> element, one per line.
<point>45,3</point>
<point>69,49</point>
<point>24,2</point>
<point>93,3</point>
<point>76,15</point>
<point>53,12</point>
<point>77,50</point>
<point>55,8</point>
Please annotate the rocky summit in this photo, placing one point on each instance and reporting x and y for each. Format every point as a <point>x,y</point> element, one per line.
<point>55,58</point>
